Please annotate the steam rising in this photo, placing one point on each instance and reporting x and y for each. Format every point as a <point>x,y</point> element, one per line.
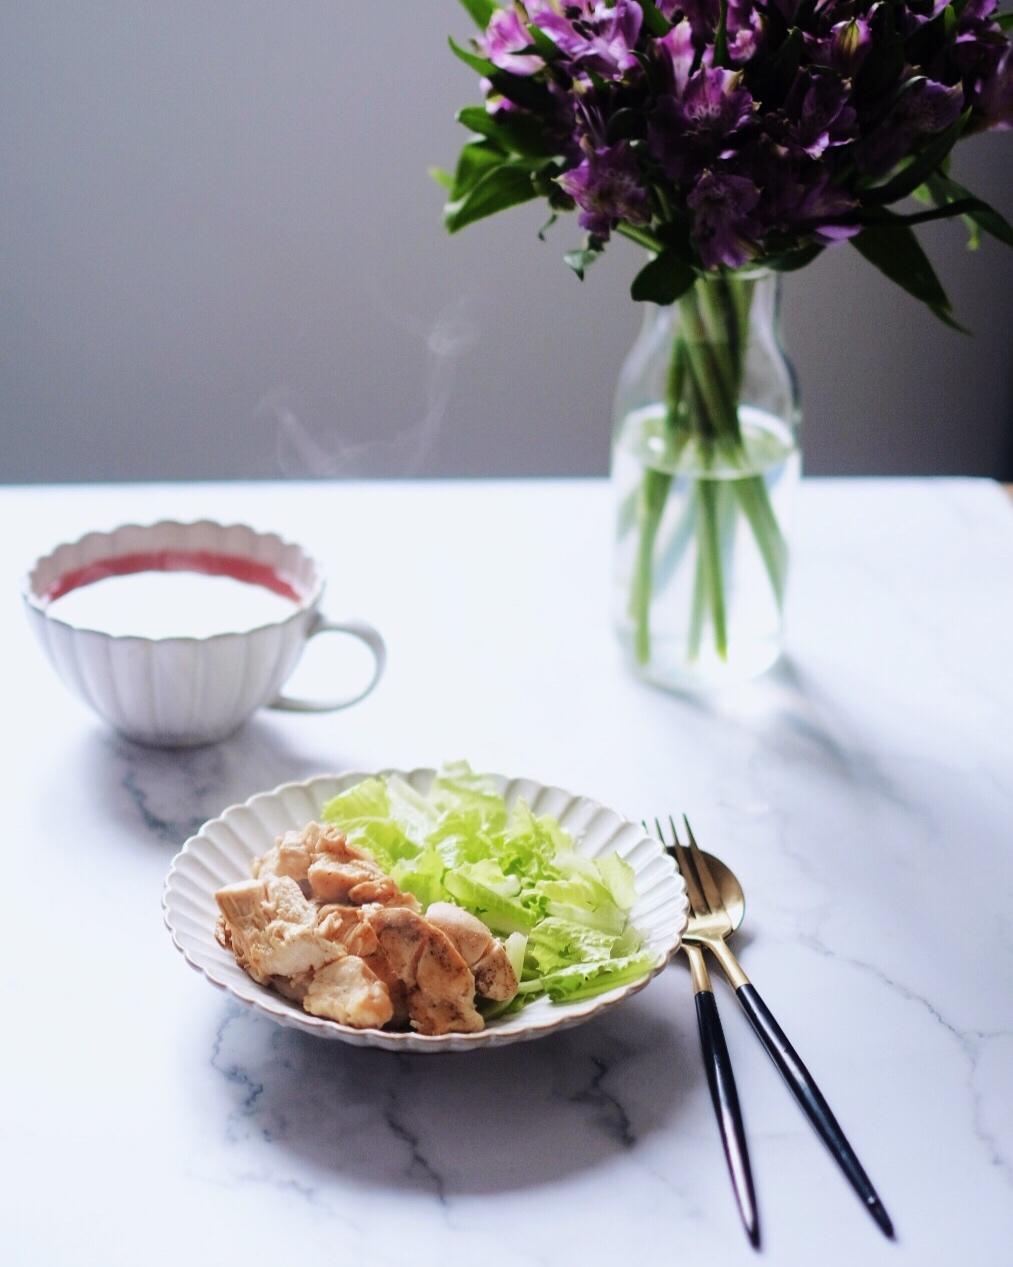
<point>301,453</point>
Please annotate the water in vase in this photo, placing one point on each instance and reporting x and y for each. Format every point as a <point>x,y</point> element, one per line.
<point>698,574</point>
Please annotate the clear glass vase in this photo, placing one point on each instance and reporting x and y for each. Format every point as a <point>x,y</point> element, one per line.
<point>705,463</point>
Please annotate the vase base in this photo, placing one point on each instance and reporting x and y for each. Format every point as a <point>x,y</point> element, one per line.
<point>671,668</point>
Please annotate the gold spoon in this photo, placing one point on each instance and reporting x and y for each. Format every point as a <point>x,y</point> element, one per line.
<point>719,906</point>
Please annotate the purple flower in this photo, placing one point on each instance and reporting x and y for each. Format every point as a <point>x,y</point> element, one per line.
<point>606,186</point>
<point>594,36</point>
<point>678,54</point>
<point>996,96</point>
<point>691,129</point>
<point>743,25</point>
<point>764,144</point>
<point>722,229</point>
<point>505,36</point>
<point>823,207</point>
<point>844,49</point>
<point>817,114</point>
<point>744,29</point>
<point>923,108</point>
<point>977,10</point>
<point>716,102</point>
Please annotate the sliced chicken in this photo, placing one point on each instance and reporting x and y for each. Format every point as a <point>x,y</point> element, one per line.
<point>291,855</point>
<point>348,991</point>
<point>356,880</point>
<point>321,860</point>
<point>271,928</point>
<point>483,953</point>
<point>294,852</point>
<point>396,988</point>
<point>440,985</point>
<point>346,926</point>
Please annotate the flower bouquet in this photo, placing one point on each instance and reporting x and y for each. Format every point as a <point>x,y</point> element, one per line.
<point>734,140</point>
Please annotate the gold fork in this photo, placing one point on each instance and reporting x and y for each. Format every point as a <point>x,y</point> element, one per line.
<point>718,906</point>
<point>717,1063</point>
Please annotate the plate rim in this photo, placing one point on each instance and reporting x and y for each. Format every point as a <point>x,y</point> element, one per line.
<point>284,1013</point>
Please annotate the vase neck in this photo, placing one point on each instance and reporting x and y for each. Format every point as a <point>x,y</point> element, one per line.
<point>719,307</point>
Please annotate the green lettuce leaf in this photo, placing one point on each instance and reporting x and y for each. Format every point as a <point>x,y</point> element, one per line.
<point>565,917</point>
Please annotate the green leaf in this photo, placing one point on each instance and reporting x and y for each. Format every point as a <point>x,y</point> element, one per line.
<point>582,259</point>
<point>520,134</point>
<point>789,261</point>
<point>541,44</point>
<point>475,159</point>
<point>663,279</point>
<point>481,65</point>
<point>480,10</point>
<point>525,92</point>
<point>721,35</point>
<point>623,124</point>
<point>1005,21</point>
<point>476,119</point>
<point>896,252</point>
<point>784,66</point>
<point>914,174</point>
<point>942,211</point>
<point>944,191</point>
<point>547,226</point>
<point>442,177</point>
<point>654,20</point>
<point>499,188</point>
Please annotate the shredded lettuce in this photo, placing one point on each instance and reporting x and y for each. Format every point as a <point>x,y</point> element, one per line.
<point>565,917</point>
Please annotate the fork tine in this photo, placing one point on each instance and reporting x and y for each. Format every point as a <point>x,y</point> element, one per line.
<point>697,902</point>
<point>710,888</point>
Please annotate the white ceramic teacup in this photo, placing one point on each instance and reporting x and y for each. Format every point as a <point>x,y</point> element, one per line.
<point>184,691</point>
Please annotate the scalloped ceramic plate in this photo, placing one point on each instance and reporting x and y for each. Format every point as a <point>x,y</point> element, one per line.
<point>222,850</point>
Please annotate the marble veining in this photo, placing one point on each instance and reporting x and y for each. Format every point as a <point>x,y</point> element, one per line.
<point>862,792</point>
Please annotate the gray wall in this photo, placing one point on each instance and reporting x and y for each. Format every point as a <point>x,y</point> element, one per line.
<point>221,256</point>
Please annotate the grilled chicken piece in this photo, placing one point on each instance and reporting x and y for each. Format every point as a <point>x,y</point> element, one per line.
<point>294,852</point>
<point>440,985</point>
<point>323,863</point>
<point>271,928</point>
<point>348,991</point>
<point>396,988</point>
<point>291,855</point>
<point>345,926</point>
<point>357,880</point>
<point>483,953</point>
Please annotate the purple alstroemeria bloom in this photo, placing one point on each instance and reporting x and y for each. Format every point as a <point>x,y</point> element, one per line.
<point>745,31</point>
<point>980,57</point>
<point>844,49</point>
<point>594,36</point>
<point>995,99</point>
<point>716,102</point>
<point>690,130</point>
<point>822,209</point>
<point>606,186</point>
<point>818,113</point>
<point>722,230</point>
<point>977,10</point>
<point>911,19</point>
<point>505,37</point>
<point>850,43</point>
<point>677,54</point>
<point>923,108</point>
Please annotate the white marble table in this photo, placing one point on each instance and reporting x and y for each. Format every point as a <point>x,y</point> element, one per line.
<point>864,794</point>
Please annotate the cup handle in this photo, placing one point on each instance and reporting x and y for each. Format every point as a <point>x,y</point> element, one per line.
<point>357,629</point>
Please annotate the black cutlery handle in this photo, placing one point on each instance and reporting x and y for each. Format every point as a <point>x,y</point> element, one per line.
<point>725,1098</point>
<point>810,1098</point>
